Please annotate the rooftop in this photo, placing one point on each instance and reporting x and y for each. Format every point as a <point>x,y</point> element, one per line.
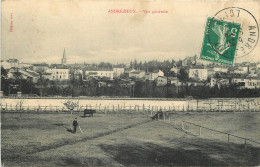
<point>198,67</point>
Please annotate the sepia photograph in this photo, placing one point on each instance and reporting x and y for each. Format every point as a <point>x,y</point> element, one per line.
<point>130,83</point>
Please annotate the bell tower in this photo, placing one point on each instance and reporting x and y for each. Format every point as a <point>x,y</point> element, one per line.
<point>63,60</point>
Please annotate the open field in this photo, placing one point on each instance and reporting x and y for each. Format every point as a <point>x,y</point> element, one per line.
<point>126,140</point>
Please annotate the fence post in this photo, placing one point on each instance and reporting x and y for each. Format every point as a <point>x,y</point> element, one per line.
<point>245,143</point>
<point>200,130</point>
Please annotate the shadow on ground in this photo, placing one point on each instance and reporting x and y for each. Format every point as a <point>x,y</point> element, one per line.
<point>195,154</point>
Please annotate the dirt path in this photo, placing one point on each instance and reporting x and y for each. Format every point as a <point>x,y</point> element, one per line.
<point>72,142</point>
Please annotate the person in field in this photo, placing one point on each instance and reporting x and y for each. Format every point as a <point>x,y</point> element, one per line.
<point>75,124</point>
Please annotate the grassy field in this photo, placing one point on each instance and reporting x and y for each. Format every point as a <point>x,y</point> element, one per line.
<point>242,124</point>
<point>126,140</point>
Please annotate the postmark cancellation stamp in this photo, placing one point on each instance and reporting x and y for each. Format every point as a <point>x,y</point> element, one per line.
<point>232,33</point>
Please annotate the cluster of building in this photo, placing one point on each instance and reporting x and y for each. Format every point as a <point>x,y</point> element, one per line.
<point>246,75</point>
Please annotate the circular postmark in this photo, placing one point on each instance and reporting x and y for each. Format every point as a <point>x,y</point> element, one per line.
<point>234,32</point>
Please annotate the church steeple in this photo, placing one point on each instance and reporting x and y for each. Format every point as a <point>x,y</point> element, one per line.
<point>63,60</point>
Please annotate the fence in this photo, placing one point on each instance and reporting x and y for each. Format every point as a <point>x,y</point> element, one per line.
<point>145,109</point>
<point>183,124</point>
<point>189,105</point>
<point>228,135</point>
<point>19,106</point>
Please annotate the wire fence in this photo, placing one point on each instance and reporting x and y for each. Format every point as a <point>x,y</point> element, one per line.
<point>189,105</point>
<point>205,132</point>
<point>200,130</point>
<point>145,109</point>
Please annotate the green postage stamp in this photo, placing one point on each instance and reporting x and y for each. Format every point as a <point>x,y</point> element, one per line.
<point>220,41</point>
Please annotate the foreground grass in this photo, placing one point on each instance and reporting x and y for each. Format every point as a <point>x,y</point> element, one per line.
<point>114,140</point>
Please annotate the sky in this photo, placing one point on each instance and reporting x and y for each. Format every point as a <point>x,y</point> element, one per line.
<point>89,33</point>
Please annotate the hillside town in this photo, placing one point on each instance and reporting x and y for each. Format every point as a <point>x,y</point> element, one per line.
<point>188,77</point>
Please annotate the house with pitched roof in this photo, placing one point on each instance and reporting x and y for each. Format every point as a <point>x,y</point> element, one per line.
<point>100,73</point>
<point>24,74</point>
<point>58,73</point>
<point>219,82</point>
<point>246,82</point>
<point>153,75</point>
<point>137,74</point>
<point>198,73</point>
<point>162,81</point>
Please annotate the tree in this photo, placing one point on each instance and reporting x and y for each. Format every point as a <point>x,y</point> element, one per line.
<point>5,82</point>
<point>3,73</point>
<point>71,105</point>
<point>42,84</point>
<point>18,78</point>
<point>19,105</point>
<point>183,75</point>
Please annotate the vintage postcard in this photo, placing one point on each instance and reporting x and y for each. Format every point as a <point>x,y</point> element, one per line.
<point>130,83</point>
